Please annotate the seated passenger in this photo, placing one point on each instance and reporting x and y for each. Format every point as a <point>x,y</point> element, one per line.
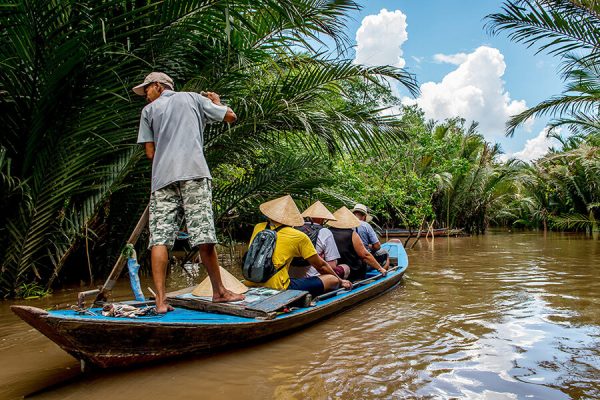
<point>369,237</point>
<point>322,239</point>
<point>293,243</point>
<point>352,250</point>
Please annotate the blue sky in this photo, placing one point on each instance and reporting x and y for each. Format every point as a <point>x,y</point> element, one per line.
<point>462,69</point>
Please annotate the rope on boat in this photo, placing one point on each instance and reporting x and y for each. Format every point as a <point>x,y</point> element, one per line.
<point>83,311</point>
<point>117,310</point>
<point>127,311</point>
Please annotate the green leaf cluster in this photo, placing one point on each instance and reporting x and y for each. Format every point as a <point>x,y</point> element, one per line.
<point>561,190</point>
<point>442,173</point>
<point>69,117</point>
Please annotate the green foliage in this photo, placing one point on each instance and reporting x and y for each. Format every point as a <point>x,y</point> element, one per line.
<point>443,172</point>
<point>70,119</point>
<point>33,290</point>
<point>560,190</point>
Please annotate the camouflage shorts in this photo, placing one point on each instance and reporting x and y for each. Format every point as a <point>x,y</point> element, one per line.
<point>189,201</point>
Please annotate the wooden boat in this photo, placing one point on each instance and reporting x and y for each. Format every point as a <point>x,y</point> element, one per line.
<point>395,233</point>
<point>109,341</point>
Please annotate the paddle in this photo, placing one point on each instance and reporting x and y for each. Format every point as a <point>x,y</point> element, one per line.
<point>117,268</point>
<point>354,285</point>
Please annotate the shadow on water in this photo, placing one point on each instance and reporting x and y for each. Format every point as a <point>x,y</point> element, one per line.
<point>501,316</point>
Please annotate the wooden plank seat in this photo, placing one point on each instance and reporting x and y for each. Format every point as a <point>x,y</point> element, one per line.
<point>262,303</point>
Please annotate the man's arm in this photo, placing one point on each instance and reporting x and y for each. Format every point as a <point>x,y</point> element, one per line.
<point>149,147</point>
<point>145,134</point>
<point>364,254</point>
<point>230,116</point>
<point>325,269</point>
<point>327,247</point>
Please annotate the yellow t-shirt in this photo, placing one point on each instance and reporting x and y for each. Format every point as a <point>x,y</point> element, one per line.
<point>290,243</point>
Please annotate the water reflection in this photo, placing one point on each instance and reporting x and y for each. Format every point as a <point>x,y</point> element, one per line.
<point>494,317</point>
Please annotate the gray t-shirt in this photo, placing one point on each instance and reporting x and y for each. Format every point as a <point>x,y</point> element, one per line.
<point>175,122</point>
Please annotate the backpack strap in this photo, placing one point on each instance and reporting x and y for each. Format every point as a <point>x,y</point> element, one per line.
<point>269,226</point>
<point>280,227</point>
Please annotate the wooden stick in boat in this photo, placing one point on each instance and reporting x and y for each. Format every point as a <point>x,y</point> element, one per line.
<point>118,267</point>
<point>152,291</point>
<point>354,285</point>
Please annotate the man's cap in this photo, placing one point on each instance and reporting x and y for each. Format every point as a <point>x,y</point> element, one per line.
<point>159,77</point>
<point>318,210</point>
<point>361,208</point>
<point>282,210</point>
<point>344,219</point>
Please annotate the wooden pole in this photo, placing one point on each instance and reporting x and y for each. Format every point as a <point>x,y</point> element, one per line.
<point>118,267</point>
<point>354,285</point>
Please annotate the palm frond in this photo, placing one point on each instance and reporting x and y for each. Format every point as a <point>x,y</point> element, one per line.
<point>553,26</point>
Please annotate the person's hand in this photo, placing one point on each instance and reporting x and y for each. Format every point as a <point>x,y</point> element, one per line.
<point>383,271</point>
<point>212,96</point>
<point>346,284</point>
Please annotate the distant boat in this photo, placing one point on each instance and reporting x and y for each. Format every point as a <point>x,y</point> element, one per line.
<point>395,233</point>
<point>199,326</point>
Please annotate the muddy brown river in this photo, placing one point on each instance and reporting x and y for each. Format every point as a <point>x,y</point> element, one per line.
<point>500,316</point>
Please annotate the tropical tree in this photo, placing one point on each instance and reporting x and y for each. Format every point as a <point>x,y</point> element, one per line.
<point>558,191</point>
<point>70,119</point>
<point>477,185</point>
<point>443,173</point>
<point>574,174</point>
<point>533,195</point>
<point>561,189</point>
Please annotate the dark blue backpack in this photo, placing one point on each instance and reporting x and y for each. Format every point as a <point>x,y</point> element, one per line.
<point>312,231</point>
<point>258,261</point>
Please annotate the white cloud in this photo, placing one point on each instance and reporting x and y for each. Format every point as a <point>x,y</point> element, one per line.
<point>474,91</point>
<point>537,147</point>
<point>380,37</point>
<point>455,59</point>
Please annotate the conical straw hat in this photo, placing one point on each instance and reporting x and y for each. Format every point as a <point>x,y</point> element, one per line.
<point>318,210</point>
<point>344,219</point>
<point>204,289</point>
<point>282,210</point>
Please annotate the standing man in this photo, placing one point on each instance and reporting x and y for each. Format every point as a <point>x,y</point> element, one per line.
<point>172,131</point>
<point>369,237</point>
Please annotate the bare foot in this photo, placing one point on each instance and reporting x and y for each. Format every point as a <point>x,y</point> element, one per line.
<point>227,296</point>
<point>164,308</point>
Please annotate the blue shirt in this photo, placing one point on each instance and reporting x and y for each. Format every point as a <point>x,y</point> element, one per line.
<point>367,234</point>
<point>175,122</point>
